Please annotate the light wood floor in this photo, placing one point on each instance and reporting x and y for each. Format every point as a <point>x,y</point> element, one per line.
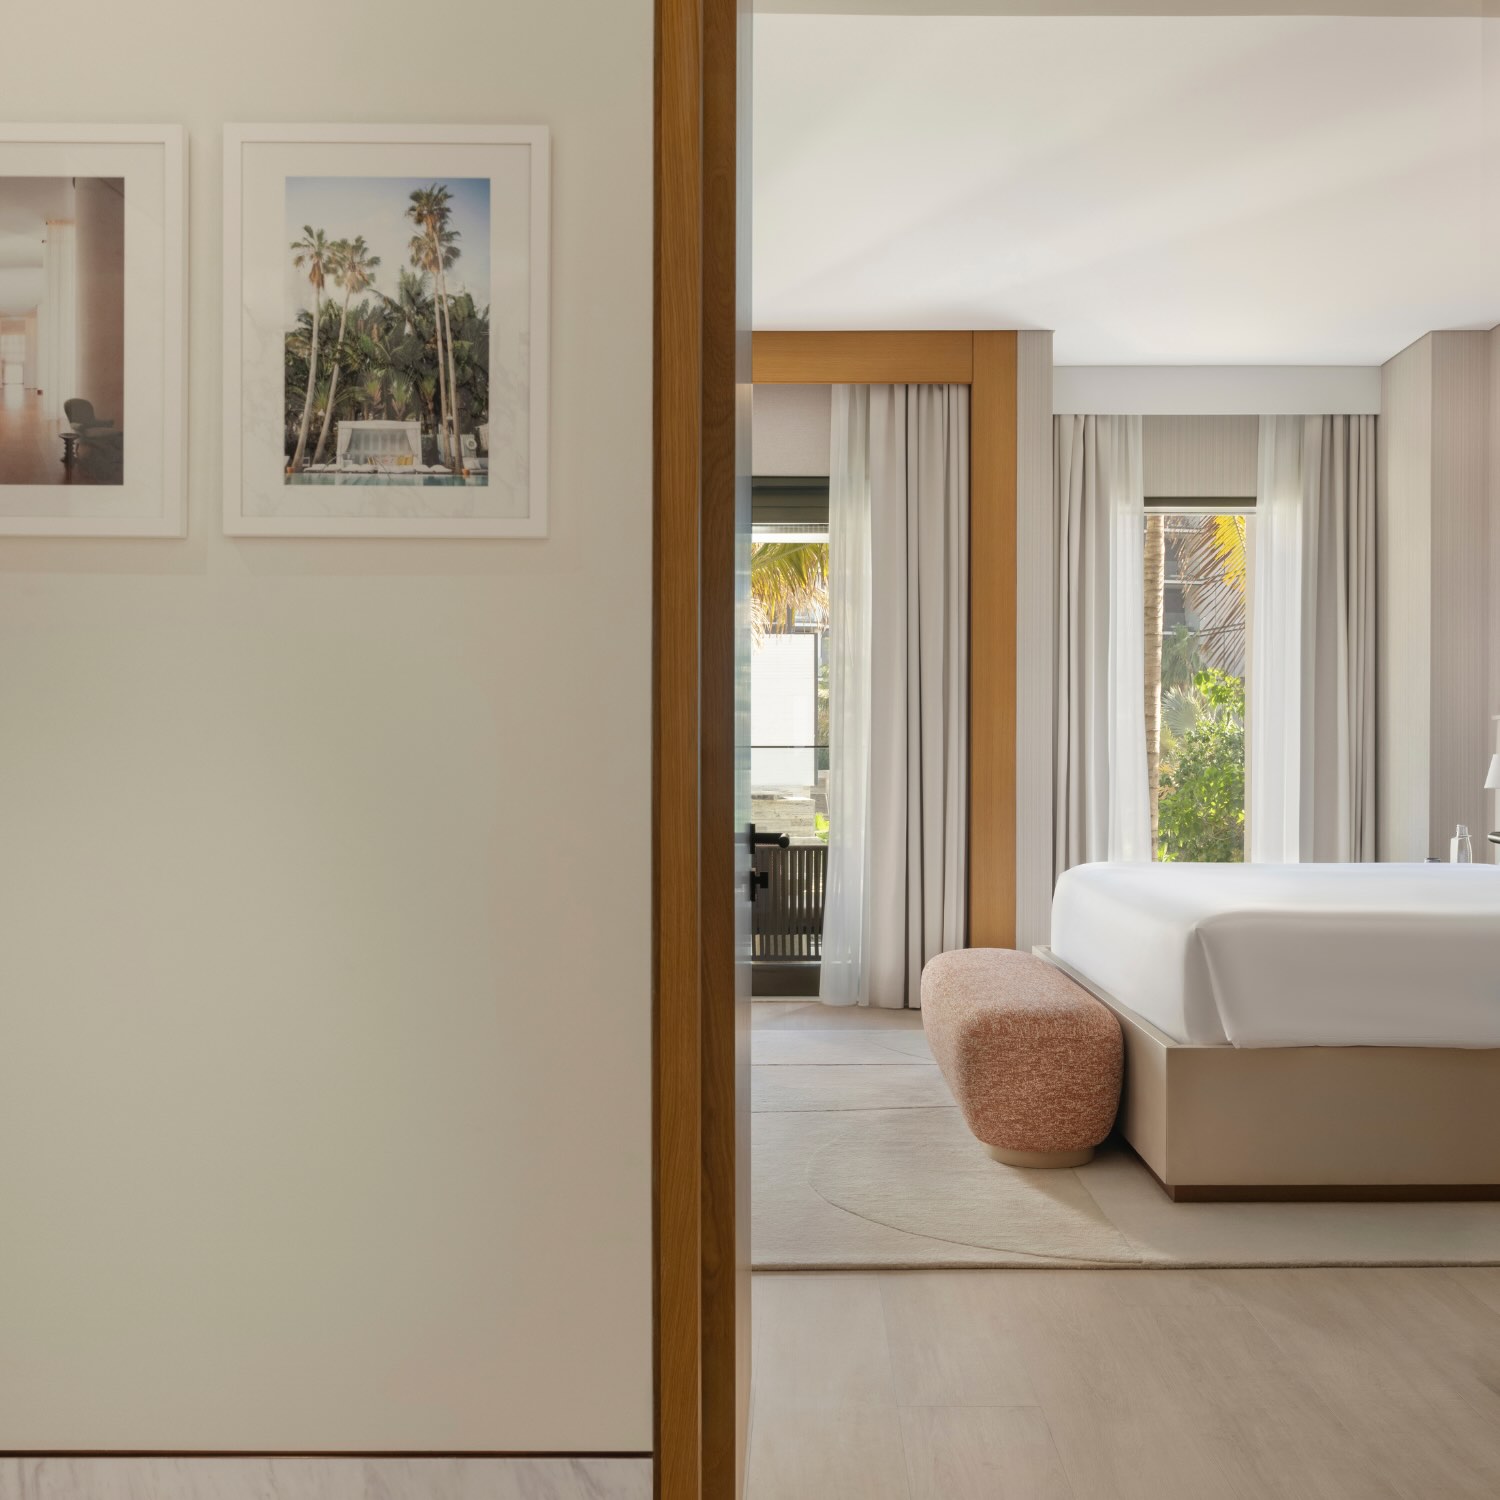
<point>30,448</point>
<point>809,1015</point>
<point>1122,1385</point>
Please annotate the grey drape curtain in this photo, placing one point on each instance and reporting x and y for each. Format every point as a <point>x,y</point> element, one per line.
<point>1311,766</point>
<point>916,659</point>
<point>1338,646</point>
<point>1102,799</point>
<point>919,546</point>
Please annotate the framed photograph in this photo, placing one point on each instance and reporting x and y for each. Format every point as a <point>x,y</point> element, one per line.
<point>93,330</point>
<point>385,330</point>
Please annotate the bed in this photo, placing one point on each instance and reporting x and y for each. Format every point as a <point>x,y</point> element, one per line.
<point>1299,1031</point>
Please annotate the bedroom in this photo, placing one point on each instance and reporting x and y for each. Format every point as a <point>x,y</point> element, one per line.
<point>1246,272</point>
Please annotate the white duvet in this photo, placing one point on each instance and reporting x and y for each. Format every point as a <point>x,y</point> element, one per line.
<point>1291,955</point>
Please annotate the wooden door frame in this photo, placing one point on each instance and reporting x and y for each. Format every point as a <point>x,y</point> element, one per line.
<point>698,1217</point>
<point>985,361</point>
<point>700,1229</point>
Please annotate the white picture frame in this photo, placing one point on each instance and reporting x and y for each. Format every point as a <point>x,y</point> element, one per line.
<point>149,499</point>
<point>264,167</point>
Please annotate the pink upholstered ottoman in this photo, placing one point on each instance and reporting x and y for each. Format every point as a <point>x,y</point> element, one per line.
<point>1033,1060</point>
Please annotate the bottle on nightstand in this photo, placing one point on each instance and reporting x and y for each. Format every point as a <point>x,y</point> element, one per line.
<point>1492,782</point>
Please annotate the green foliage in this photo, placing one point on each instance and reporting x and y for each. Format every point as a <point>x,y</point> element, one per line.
<point>1201,813</point>
<point>1181,708</point>
<point>1180,661</point>
<point>787,579</point>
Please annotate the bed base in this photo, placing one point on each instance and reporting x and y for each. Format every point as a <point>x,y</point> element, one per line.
<point>1283,1124</point>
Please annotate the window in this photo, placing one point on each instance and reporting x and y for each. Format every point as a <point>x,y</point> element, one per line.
<point>1197,601</point>
<point>789,730</point>
<point>789,658</point>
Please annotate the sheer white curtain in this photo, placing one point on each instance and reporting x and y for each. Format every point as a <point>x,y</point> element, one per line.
<point>57,319</point>
<point>1274,732</point>
<point>1103,806</point>
<point>845,978</point>
<point>1311,756</point>
<point>898,689</point>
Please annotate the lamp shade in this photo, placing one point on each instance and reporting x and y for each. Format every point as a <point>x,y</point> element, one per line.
<point>1492,781</point>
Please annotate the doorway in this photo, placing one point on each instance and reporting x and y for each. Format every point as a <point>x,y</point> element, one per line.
<point>705,365</point>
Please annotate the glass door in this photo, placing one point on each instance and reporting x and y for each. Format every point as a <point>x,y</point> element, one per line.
<point>789,731</point>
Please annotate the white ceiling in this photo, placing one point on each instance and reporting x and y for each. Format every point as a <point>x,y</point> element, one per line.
<point>1157,190</point>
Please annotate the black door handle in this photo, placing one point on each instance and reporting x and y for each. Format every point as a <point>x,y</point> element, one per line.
<point>761,879</point>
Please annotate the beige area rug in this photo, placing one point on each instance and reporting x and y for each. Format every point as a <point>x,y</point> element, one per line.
<point>860,1158</point>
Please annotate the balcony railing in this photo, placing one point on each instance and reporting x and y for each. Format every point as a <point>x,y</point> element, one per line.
<point>786,921</point>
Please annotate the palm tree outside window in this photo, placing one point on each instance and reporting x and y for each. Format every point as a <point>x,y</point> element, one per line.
<point>1197,573</point>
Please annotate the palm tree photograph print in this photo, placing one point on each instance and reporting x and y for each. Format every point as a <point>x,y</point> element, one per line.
<point>387,365</point>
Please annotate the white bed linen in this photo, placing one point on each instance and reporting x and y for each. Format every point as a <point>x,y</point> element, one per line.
<point>1291,955</point>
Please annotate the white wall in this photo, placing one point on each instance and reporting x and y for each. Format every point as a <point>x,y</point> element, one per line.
<point>324,886</point>
<point>15,328</point>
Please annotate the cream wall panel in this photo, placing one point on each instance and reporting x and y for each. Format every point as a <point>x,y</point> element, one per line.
<point>1435,544</point>
<point>1036,675</point>
<point>793,430</point>
<point>1191,458</point>
<point>1490,27</point>
<point>1493,809</point>
<point>1404,616</point>
<point>1461,707</point>
<point>1494,589</point>
<point>324,884</point>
